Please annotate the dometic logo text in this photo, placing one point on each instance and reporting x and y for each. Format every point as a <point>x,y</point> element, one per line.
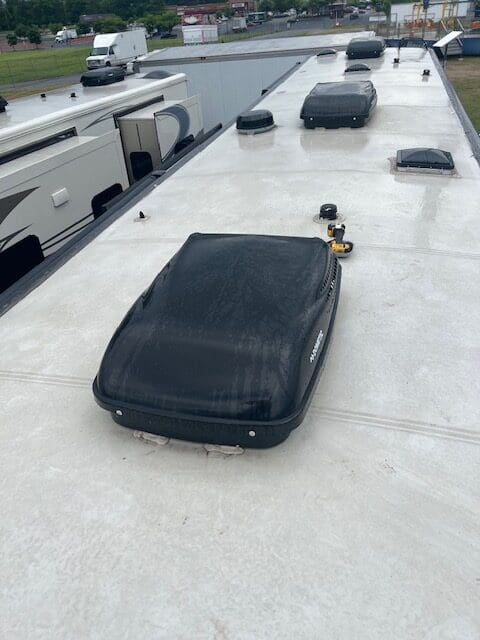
<point>316,346</point>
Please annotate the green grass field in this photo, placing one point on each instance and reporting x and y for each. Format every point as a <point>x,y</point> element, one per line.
<point>22,66</point>
<point>43,64</point>
<point>465,77</point>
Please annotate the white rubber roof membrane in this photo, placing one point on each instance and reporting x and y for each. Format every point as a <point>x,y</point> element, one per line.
<point>365,523</point>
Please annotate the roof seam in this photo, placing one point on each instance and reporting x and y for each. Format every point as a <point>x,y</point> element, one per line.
<point>41,378</point>
<point>397,424</point>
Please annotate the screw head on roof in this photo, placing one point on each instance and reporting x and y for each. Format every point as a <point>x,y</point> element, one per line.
<point>73,94</point>
<point>43,96</point>
<point>142,217</point>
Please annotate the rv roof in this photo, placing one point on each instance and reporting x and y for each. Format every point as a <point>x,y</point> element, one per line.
<point>251,48</point>
<point>27,110</point>
<point>364,523</point>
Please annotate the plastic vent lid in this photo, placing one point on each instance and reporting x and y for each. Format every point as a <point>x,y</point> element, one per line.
<point>158,74</point>
<point>357,67</point>
<point>256,121</point>
<point>326,51</point>
<point>424,158</point>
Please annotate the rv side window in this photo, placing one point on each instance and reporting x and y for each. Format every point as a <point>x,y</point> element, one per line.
<point>142,164</point>
<point>101,199</point>
<point>111,51</point>
<point>19,259</point>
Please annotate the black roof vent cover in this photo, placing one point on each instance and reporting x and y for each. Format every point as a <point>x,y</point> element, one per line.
<point>227,343</point>
<point>158,74</point>
<point>3,104</point>
<point>423,158</point>
<point>339,104</point>
<point>326,51</point>
<point>365,47</point>
<point>360,66</point>
<point>256,121</point>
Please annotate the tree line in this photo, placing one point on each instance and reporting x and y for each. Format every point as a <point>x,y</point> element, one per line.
<point>281,6</point>
<point>24,17</point>
<point>42,13</point>
<point>163,22</point>
<point>312,6</point>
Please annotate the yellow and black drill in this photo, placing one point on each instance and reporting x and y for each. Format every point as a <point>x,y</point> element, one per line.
<point>339,247</point>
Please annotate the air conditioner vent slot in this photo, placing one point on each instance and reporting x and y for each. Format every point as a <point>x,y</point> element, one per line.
<point>357,67</point>
<point>326,51</point>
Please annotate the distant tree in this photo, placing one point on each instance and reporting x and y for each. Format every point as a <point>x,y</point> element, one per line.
<point>21,31</point>
<point>75,8</point>
<point>266,5</point>
<point>110,25</point>
<point>12,39</point>
<point>149,21</point>
<point>34,37</point>
<point>54,27</point>
<point>386,7</point>
<point>154,6</point>
<point>167,20</point>
<point>42,12</point>
<point>314,6</point>
<point>82,28</point>
<point>5,21</point>
<point>228,12</point>
<point>164,21</point>
<point>15,13</point>
<point>298,5</point>
<point>281,5</point>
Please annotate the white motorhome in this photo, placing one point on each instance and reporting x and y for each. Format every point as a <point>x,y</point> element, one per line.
<point>65,155</point>
<point>117,49</point>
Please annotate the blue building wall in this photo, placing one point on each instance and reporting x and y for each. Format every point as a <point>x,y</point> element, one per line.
<point>471,46</point>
